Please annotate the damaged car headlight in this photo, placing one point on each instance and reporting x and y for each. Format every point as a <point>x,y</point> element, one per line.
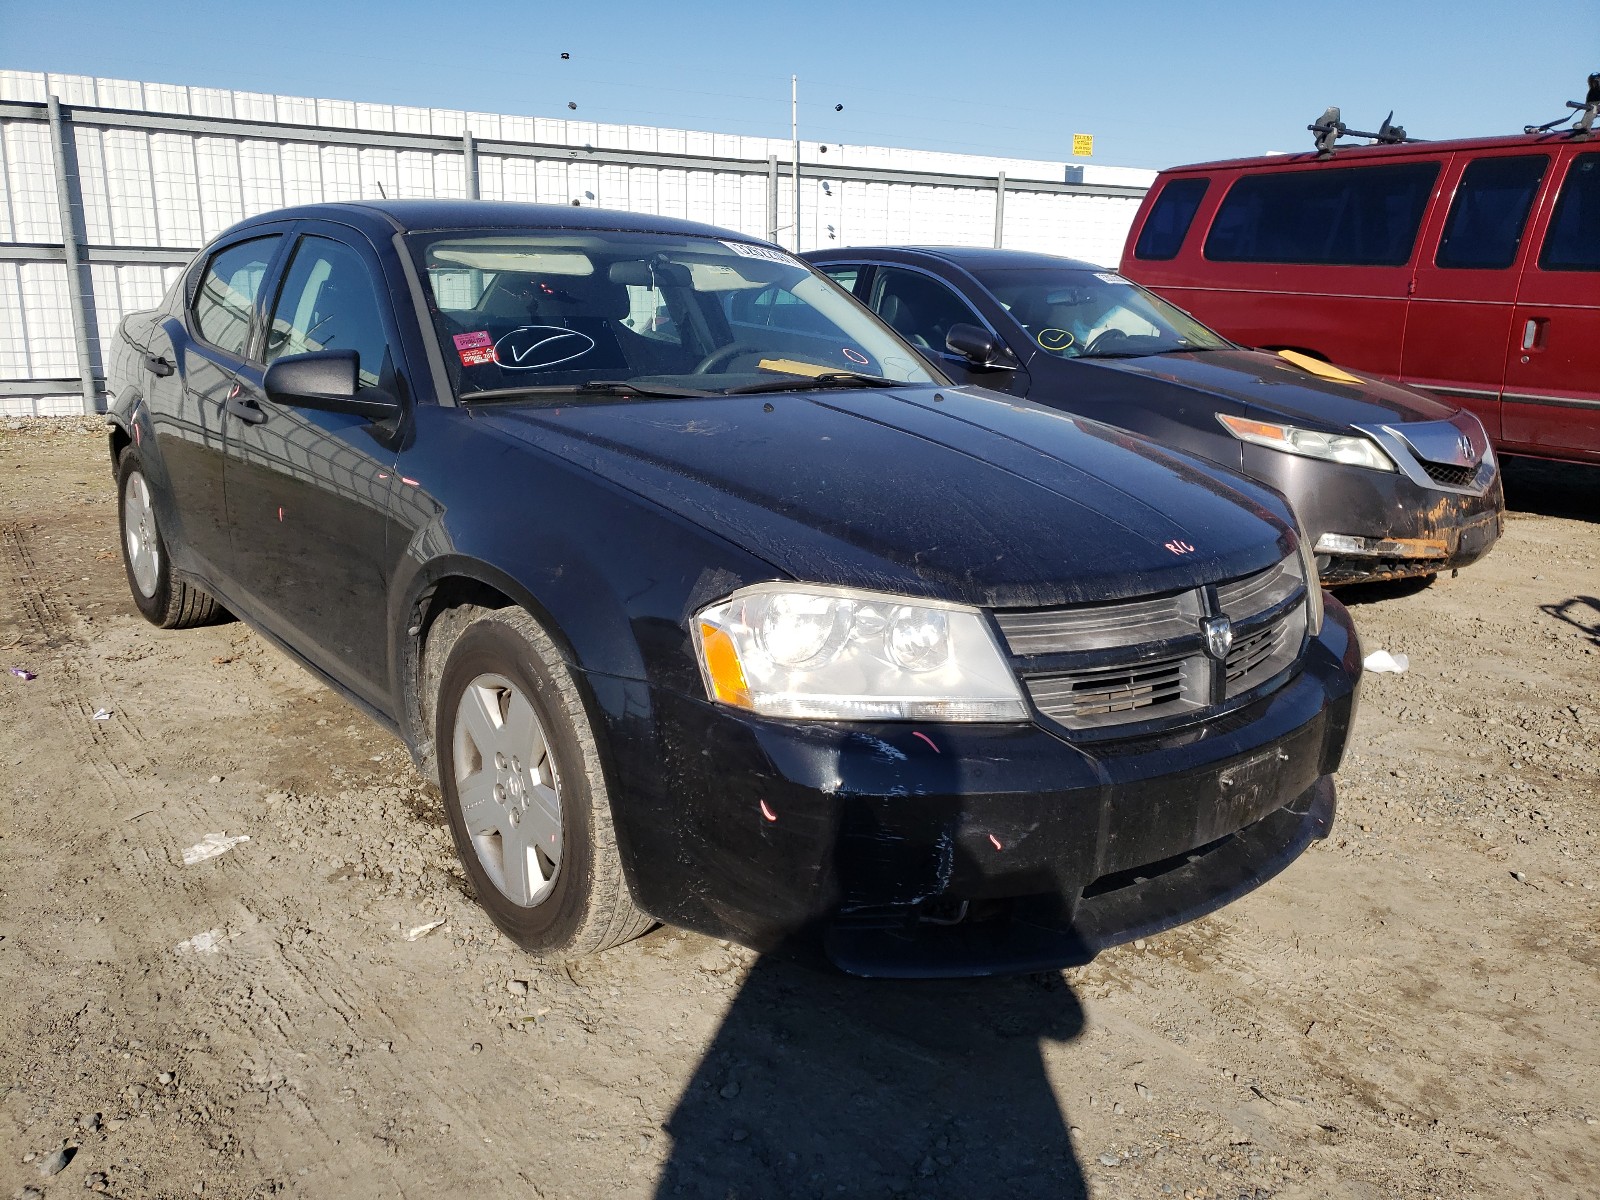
<point>809,651</point>
<point>1352,450</point>
<point>1313,581</point>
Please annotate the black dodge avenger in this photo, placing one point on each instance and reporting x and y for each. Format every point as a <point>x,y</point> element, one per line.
<point>706,601</point>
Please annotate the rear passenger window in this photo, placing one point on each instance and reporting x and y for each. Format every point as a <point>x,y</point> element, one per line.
<point>1344,216</point>
<point>1489,212</point>
<point>1573,241</point>
<point>226,297</point>
<point>1169,219</point>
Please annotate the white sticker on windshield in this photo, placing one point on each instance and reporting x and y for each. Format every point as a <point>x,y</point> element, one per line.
<point>765,253</point>
<point>1109,277</point>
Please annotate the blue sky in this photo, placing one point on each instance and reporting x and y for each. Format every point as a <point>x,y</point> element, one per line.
<point>1157,82</point>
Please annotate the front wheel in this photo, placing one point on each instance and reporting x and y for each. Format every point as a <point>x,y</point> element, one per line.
<point>165,601</point>
<point>523,787</point>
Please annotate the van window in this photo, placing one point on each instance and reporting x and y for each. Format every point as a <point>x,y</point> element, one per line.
<point>1573,242</point>
<point>1351,216</point>
<point>1489,212</point>
<point>1169,219</point>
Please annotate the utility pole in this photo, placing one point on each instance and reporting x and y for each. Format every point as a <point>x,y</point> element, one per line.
<point>794,136</point>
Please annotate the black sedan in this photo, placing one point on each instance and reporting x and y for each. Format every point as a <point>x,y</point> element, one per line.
<point>1386,481</point>
<point>705,601</point>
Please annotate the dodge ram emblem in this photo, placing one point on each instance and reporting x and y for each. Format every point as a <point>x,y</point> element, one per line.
<point>1219,637</point>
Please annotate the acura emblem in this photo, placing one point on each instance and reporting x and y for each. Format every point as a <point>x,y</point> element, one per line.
<point>1219,637</point>
<point>1467,451</point>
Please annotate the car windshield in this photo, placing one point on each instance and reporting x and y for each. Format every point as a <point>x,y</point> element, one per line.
<point>1081,313</point>
<point>640,315</point>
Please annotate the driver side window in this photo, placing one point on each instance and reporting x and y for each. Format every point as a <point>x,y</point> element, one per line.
<point>919,308</point>
<point>329,301</point>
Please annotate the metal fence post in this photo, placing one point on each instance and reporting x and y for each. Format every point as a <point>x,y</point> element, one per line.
<point>999,210</point>
<point>772,197</point>
<point>70,246</point>
<point>469,157</point>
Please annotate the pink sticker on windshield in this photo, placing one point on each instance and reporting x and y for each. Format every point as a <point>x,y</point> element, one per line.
<point>475,349</point>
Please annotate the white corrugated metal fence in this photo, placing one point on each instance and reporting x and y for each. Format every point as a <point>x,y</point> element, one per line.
<point>152,171</point>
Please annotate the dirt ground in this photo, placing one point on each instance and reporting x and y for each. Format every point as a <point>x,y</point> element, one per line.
<point>1409,1011</point>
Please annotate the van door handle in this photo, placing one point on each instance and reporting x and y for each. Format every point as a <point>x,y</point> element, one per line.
<point>1533,333</point>
<point>157,365</point>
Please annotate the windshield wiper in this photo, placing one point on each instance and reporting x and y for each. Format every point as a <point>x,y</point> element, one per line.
<point>826,379</point>
<point>595,387</point>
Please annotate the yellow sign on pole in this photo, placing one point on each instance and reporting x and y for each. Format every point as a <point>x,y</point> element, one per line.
<point>1082,145</point>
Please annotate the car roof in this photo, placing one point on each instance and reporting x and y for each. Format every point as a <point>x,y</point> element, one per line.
<point>973,258</point>
<point>384,217</point>
<point>1377,153</point>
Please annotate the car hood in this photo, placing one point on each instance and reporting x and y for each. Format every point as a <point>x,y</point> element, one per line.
<point>947,492</point>
<point>1277,389</point>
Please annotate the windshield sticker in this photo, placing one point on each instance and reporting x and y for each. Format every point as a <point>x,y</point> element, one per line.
<point>536,346</point>
<point>765,253</point>
<point>475,349</point>
<point>856,357</point>
<point>1109,277</point>
<point>1054,339</point>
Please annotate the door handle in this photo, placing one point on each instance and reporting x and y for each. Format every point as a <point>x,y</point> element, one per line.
<point>1533,333</point>
<point>157,365</point>
<point>246,410</point>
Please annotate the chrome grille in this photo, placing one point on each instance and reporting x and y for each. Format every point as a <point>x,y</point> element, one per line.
<point>1143,662</point>
<point>1264,651</point>
<point>1099,696</point>
<point>1449,474</point>
<point>1101,626</point>
<point>1254,594</point>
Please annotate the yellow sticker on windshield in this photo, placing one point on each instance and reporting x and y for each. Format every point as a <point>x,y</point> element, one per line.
<point>1054,339</point>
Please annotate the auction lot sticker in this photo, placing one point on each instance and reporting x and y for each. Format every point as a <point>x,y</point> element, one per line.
<point>475,349</point>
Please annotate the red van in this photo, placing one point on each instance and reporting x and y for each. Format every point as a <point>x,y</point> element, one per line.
<point>1467,268</point>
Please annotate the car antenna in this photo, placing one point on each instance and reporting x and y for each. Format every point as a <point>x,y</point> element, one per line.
<point>1329,128</point>
<point>1585,114</point>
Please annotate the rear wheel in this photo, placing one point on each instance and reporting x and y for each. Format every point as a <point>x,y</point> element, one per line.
<point>165,601</point>
<point>524,789</point>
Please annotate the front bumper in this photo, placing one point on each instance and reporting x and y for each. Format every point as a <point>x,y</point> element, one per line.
<point>963,850</point>
<point>1398,527</point>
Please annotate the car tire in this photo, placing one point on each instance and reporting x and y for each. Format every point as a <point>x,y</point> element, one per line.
<point>164,600</point>
<point>524,788</point>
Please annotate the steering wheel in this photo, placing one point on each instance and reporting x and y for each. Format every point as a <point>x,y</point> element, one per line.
<point>719,357</point>
<point>1106,339</point>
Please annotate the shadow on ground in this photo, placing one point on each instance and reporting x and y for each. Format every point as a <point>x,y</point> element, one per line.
<point>1581,612</point>
<point>1353,594</point>
<point>821,1085</point>
<point>1552,489</point>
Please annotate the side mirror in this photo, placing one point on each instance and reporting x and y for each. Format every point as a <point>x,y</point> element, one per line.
<point>326,380</point>
<point>980,348</point>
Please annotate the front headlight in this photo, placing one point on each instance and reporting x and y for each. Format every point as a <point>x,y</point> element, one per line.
<point>1313,582</point>
<point>810,651</point>
<point>1351,449</point>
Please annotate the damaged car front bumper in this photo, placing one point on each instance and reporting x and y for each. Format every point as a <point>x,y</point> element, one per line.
<point>954,850</point>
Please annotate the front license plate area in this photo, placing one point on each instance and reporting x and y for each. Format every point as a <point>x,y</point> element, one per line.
<point>1166,815</point>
